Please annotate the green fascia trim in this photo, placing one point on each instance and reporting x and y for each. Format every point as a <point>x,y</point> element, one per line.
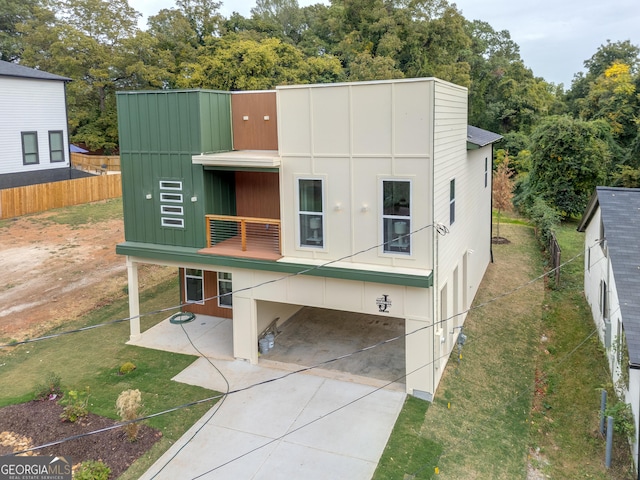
<point>243,169</point>
<point>472,146</point>
<point>191,255</point>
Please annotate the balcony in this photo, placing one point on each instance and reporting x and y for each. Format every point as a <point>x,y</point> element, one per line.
<point>247,237</point>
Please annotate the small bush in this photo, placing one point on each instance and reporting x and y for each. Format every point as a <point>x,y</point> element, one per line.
<point>623,422</point>
<point>92,470</point>
<point>545,218</point>
<point>49,388</point>
<point>75,403</point>
<point>127,367</point>
<point>129,407</point>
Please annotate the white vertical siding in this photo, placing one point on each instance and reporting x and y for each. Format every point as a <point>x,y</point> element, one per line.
<point>30,105</point>
<point>354,136</point>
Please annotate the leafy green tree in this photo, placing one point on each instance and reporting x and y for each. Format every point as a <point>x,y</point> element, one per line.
<point>203,16</point>
<point>12,14</point>
<point>569,158</point>
<point>285,14</point>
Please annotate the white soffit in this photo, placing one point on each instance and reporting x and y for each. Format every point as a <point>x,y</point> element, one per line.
<point>239,158</point>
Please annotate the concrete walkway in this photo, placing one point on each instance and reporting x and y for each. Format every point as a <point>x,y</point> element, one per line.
<point>311,425</point>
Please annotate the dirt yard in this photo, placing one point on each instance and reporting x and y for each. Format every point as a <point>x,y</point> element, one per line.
<point>51,273</point>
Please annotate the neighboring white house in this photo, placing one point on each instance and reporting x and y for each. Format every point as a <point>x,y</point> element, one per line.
<point>612,286</point>
<point>383,179</point>
<point>34,144</point>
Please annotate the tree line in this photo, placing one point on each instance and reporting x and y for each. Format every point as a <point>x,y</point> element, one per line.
<point>562,143</point>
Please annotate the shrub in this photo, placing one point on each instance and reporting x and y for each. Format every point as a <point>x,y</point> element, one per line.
<point>92,470</point>
<point>75,403</point>
<point>545,218</point>
<point>622,419</point>
<point>50,388</point>
<point>129,407</point>
<point>127,367</point>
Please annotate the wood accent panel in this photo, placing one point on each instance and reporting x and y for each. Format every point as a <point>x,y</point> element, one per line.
<point>210,290</point>
<point>255,133</point>
<point>257,194</point>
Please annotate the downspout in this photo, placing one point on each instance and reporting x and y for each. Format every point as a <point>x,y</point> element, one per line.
<point>66,119</point>
<point>490,174</point>
<point>635,366</point>
<point>434,253</point>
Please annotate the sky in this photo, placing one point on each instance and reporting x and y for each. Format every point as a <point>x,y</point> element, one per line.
<point>555,36</point>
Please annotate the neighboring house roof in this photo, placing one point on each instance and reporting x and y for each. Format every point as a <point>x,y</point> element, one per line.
<point>8,69</point>
<point>480,137</point>
<point>620,213</point>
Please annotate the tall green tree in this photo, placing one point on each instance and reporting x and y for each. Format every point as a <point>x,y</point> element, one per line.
<point>12,14</point>
<point>569,158</point>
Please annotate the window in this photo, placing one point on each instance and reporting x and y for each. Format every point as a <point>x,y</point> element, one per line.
<point>452,201</point>
<point>171,215</point>
<point>193,286</point>
<point>225,299</point>
<point>310,212</point>
<point>56,146</point>
<point>604,299</point>
<point>30,148</point>
<point>486,172</point>
<point>396,216</point>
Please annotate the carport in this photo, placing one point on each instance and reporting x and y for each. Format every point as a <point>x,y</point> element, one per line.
<point>316,335</point>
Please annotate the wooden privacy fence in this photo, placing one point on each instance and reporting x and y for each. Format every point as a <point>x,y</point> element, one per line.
<point>96,163</point>
<point>18,201</point>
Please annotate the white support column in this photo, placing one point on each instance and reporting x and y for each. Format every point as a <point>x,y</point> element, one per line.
<point>419,358</point>
<point>134,300</point>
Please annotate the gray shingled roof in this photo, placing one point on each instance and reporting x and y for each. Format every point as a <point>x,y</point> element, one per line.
<point>620,211</point>
<point>481,137</point>
<point>8,69</point>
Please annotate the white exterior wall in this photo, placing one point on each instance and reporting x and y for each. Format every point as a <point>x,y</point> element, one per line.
<point>462,255</point>
<point>352,136</point>
<point>597,267</point>
<point>30,105</point>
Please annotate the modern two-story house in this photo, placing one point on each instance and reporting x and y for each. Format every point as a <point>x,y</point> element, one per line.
<point>611,284</point>
<point>369,197</point>
<point>33,127</point>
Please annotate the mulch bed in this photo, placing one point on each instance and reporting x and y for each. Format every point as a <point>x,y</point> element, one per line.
<point>500,241</point>
<point>40,421</point>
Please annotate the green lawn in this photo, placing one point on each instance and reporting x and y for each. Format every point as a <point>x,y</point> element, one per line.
<point>525,396</point>
<point>92,358</point>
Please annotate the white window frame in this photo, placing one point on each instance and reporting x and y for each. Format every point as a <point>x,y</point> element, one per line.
<point>171,197</point>
<point>486,172</point>
<point>322,239</point>
<point>196,277</point>
<point>175,185</point>
<point>172,222</point>
<point>171,210</point>
<point>228,298</point>
<point>403,245</point>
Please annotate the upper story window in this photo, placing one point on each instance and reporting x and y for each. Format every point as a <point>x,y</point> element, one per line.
<point>56,146</point>
<point>171,208</point>
<point>486,172</point>
<point>396,216</point>
<point>30,148</point>
<point>310,212</point>
<point>452,201</point>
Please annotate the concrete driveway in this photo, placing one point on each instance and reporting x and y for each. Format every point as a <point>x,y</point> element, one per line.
<point>315,425</point>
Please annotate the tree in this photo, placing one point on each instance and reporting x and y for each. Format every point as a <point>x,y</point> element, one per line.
<point>12,14</point>
<point>502,189</point>
<point>569,158</point>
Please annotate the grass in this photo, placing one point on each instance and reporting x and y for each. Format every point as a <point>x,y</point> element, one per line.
<point>86,214</point>
<point>525,395</point>
<point>93,358</point>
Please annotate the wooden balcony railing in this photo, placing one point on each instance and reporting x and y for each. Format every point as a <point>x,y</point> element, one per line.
<point>257,236</point>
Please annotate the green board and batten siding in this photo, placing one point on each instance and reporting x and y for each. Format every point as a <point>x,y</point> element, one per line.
<point>159,132</point>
